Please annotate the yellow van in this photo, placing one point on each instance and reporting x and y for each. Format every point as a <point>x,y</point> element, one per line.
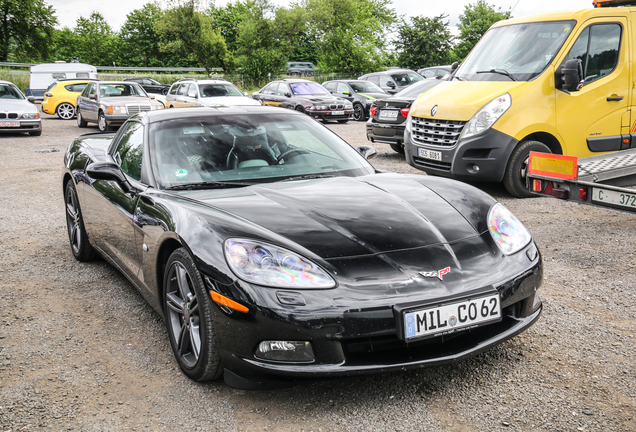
<point>560,83</point>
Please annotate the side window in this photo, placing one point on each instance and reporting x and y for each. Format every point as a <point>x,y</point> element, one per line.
<point>598,48</point>
<point>173,89</point>
<point>93,89</point>
<point>342,87</point>
<point>193,91</point>
<point>130,148</point>
<point>82,75</point>
<point>282,89</point>
<point>375,79</point>
<point>330,86</point>
<point>183,90</point>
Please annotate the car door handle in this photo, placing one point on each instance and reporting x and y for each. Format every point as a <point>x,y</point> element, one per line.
<point>614,98</point>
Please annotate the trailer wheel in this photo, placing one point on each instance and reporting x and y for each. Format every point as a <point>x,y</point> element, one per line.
<point>517,169</point>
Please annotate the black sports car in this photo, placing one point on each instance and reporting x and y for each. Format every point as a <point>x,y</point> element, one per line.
<point>275,251</point>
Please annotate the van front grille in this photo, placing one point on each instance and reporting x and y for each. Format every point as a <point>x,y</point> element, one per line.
<point>444,133</point>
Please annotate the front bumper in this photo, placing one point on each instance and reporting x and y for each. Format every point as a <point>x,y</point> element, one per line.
<point>328,115</point>
<point>25,126</point>
<point>116,119</point>
<point>488,151</point>
<point>350,340</point>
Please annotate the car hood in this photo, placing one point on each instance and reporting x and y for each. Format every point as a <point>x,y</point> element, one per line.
<point>318,99</point>
<point>229,101</point>
<point>20,105</point>
<point>346,216</point>
<point>460,100</point>
<point>125,100</point>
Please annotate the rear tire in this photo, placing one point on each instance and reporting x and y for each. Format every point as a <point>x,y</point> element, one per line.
<point>65,111</point>
<point>517,169</point>
<point>80,120</point>
<point>188,316</point>
<point>398,148</point>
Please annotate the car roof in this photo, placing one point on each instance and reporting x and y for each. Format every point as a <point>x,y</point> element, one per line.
<point>388,72</point>
<point>196,112</point>
<point>204,81</point>
<point>6,82</point>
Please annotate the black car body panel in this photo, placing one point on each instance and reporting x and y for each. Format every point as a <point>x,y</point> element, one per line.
<point>150,85</point>
<point>379,236</point>
<point>354,92</point>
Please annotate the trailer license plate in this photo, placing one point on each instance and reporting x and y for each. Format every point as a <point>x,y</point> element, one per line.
<point>452,317</point>
<point>10,124</point>
<point>429,154</point>
<point>621,199</point>
<point>388,114</point>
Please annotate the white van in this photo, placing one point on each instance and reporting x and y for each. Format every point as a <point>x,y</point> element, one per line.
<point>45,74</point>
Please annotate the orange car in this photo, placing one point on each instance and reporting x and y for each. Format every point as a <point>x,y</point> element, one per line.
<point>61,95</point>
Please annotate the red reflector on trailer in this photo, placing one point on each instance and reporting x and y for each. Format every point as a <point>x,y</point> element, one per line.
<point>583,193</point>
<point>548,188</point>
<point>560,193</point>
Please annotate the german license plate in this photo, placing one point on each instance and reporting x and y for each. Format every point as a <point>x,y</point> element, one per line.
<point>429,154</point>
<point>337,112</point>
<point>388,114</point>
<point>10,124</point>
<point>448,318</point>
<point>622,199</point>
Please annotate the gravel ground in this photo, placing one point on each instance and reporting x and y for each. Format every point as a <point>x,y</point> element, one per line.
<point>81,350</point>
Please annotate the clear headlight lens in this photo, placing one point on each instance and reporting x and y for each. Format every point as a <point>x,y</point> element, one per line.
<point>265,264</point>
<point>117,110</point>
<point>487,116</point>
<point>509,234</point>
<point>348,106</point>
<point>408,125</point>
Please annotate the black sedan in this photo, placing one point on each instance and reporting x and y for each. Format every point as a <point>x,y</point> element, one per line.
<point>388,116</point>
<point>276,252</point>
<point>360,93</point>
<point>305,96</point>
<point>150,85</point>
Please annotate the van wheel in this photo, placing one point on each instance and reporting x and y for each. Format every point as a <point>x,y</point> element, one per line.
<point>398,148</point>
<point>517,170</point>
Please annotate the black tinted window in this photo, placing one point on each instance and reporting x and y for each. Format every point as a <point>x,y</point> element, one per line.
<point>598,48</point>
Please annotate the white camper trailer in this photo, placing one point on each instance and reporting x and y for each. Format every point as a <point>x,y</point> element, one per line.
<point>45,74</point>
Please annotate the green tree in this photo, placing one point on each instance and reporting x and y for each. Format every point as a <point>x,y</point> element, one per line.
<point>424,42</point>
<point>138,37</point>
<point>296,37</point>
<point>227,20</point>
<point>474,22</point>
<point>186,31</point>
<point>63,45</point>
<point>95,41</point>
<point>351,34</point>
<point>258,47</point>
<point>26,28</point>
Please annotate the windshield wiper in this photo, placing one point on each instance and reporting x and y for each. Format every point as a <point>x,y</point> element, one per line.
<point>498,71</point>
<point>308,176</point>
<point>209,185</point>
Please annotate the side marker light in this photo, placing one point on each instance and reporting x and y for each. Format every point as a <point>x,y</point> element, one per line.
<point>222,300</point>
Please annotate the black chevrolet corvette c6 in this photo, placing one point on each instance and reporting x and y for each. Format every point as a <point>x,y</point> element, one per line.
<point>276,252</point>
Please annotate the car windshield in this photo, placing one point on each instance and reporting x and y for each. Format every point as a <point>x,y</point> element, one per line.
<point>307,88</point>
<point>406,78</point>
<point>248,149</point>
<point>517,52</point>
<point>365,87</point>
<point>416,89</point>
<point>121,89</point>
<point>214,90</point>
<point>10,91</point>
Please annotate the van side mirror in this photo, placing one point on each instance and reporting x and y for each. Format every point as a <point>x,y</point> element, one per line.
<point>569,77</point>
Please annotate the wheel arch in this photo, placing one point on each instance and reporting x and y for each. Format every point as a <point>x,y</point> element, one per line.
<point>546,138</point>
<point>165,250</point>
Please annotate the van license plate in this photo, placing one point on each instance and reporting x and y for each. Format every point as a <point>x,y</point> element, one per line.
<point>621,199</point>
<point>429,154</point>
<point>451,317</point>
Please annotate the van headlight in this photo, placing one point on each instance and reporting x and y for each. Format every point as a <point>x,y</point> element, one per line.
<point>487,116</point>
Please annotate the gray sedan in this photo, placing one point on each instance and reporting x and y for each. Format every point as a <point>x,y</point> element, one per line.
<point>17,113</point>
<point>110,103</point>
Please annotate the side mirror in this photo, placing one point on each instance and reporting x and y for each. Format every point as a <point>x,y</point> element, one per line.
<point>390,84</point>
<point>346,92</point>
<point>287,94</point>
<point>454,66</point>
<point>192,95</point>
<point>31,99</point>
<point>569,77</point>
<point>108,171</point>
<point>366,151</point>
<point>92,96</point>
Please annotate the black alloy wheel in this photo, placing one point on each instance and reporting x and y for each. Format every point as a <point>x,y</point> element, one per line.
<point>65,111</point>
<point>81,248</point>
<point>358,112</point>
<point>188,316</point>
<point>80,120</point>
<point>164,91</point>
<point>517,169</point>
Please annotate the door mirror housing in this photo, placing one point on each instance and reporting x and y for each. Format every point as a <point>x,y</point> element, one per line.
<point>569,77</point>
<point>366,151</point>
<point>109,171</point>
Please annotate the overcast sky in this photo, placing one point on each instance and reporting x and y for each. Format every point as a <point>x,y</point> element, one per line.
<point>115,11</point>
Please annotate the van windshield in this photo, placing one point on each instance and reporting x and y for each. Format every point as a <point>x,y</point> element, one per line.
<point>518,52</point>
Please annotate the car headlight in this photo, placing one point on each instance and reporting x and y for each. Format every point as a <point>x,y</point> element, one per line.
<point>117,110</point>
<point>30,116</point>
<point>348,106</point>
<point>268,265</point>
<point>409,120</point>
<point>313,107</point>
<point>487,116</point>
<point>509,234</point>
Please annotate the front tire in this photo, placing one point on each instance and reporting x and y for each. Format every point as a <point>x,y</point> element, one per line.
<point>517,169</point>
<point>188,316</point>
<point>81,248</point>
<point>164,91</point>
<point>80,120</point>
<point>358,112</point>
<point>300,108</point>
<point>65,111</point>
<point>102,125</point>
<point>398,148</point>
